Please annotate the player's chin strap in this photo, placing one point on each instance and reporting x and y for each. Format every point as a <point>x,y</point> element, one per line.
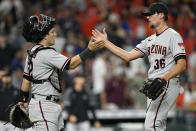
<point>32,54</point>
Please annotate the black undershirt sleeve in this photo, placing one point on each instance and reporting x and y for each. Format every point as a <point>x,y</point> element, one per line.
<point>26,77</point>
<point>67,65</point>
<point>180,57</point>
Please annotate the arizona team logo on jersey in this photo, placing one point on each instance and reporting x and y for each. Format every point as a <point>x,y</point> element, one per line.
<point>157,49</point>
<point>181,45</point>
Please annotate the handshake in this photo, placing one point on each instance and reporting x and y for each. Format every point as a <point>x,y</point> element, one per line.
<point>98,40</point>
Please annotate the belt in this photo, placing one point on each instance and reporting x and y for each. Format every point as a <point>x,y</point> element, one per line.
<point>38,81</point>
<point>50,97</point>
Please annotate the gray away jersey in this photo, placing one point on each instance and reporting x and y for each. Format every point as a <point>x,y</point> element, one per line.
<point>162,51</point>
<point>44,63</point>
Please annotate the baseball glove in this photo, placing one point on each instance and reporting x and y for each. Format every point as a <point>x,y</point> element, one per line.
<point>153,88</point>
<point>19,117</point>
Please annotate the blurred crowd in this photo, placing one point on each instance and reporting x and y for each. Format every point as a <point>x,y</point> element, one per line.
<point>112,82</point>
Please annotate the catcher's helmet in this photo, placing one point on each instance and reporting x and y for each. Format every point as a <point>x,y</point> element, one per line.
<point>37,26</point>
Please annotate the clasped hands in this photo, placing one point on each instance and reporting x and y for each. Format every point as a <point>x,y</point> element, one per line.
<point>97,40</point>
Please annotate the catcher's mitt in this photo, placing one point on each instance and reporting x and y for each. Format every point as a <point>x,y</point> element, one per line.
<point>153,88</point>
<point>19,117</point>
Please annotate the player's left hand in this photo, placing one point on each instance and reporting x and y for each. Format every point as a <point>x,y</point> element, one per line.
<point>153,88</point>
<point>19,117</point>
<point>24,104</point>
<point>95,45</point>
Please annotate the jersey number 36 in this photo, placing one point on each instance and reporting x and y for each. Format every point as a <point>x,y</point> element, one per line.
<point>159,64</point>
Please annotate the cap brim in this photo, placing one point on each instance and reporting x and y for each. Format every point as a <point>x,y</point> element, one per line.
<point>148,13</point>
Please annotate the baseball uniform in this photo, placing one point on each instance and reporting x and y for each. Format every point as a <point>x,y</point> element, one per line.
<point>42,70</point>
<point>162,50</point>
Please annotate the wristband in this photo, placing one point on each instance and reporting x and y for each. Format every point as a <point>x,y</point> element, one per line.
<point>23,96</point>
<point>85,54</point>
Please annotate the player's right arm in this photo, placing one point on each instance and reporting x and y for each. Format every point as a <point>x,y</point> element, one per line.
<point>61,62</point>
<point>78,59</point>
<point>127,56</point>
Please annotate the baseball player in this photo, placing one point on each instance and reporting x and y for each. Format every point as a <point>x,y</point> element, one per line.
<point>41,72</point>
<point>167,59</point>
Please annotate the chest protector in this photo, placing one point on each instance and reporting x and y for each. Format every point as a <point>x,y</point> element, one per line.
<point>54,78</point>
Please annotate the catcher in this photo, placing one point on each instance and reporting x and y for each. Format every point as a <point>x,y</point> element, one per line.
<point>167,58</point>
<point>41,76</point>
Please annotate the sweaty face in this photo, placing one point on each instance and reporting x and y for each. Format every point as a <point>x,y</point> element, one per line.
<point>51,37</point>
<point>154,20</point>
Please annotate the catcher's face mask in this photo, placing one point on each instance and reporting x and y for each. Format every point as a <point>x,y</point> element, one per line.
<point>41,21</point>
<point>37,26</point>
